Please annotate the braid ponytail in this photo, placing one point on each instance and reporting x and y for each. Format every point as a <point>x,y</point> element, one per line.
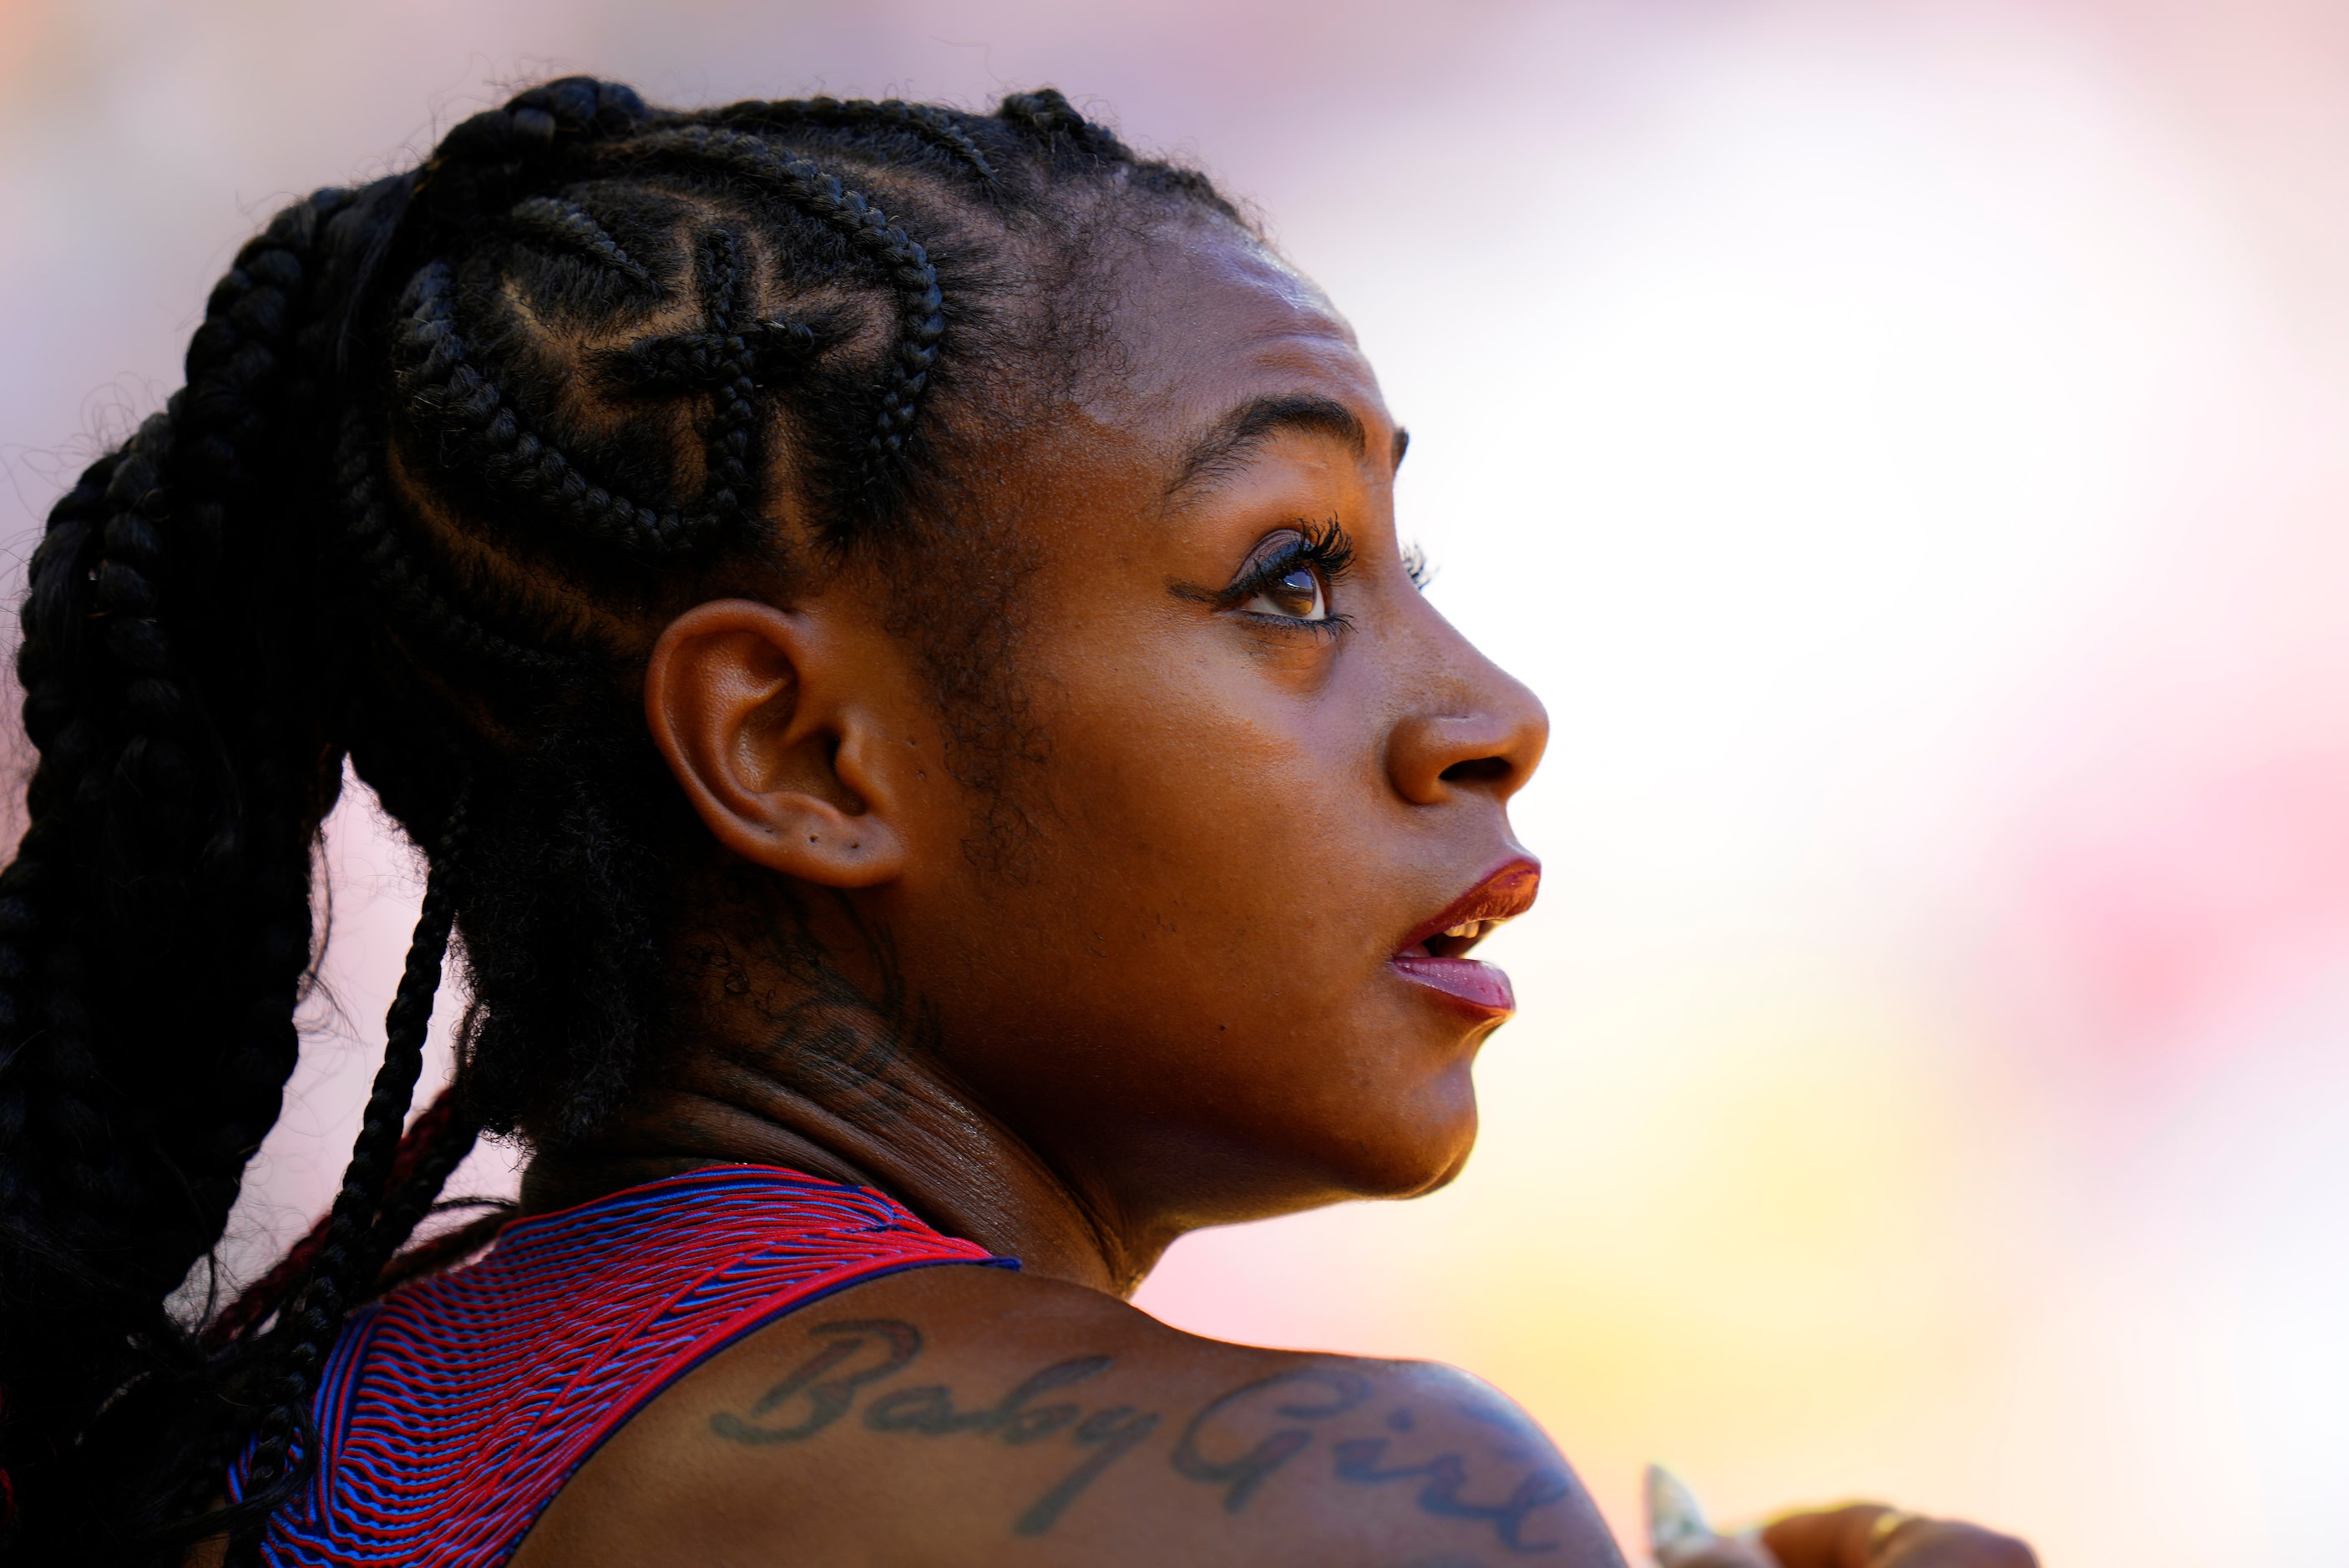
<point>155,925</point>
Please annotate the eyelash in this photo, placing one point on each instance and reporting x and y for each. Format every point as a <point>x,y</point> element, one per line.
<point>1415,566</point>
<point>1324,546</point>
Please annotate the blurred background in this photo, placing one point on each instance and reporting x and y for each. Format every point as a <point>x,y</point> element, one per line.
<point>1906,443</point>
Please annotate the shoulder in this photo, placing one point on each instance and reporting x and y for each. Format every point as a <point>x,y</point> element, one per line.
<point>971,1415</point>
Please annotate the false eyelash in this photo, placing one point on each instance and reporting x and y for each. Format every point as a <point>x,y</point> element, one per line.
<point>1324,546</point>
<point>1416,566</point>
<point>1327,549</point>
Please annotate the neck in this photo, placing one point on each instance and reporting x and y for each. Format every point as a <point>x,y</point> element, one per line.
<point>810,1053</point>
<point>947,1162</point>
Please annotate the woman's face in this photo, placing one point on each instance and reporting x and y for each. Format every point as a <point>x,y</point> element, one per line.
<point>1259,777</point>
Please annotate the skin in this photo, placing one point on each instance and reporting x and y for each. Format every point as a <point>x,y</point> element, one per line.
<point>1164,1002</point>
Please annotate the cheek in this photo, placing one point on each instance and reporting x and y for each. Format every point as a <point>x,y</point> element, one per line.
<point>1218,844</point>
<point>1201,954</point>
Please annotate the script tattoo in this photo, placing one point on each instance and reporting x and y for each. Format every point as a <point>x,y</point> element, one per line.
<point>1329,1392</point>
<point>823,1390</point>
<point>807,1025</point>
<point>1236,1443</point>
<point>1362,1461</point>
<point>828,1398</point>
<point>1242,1474</point>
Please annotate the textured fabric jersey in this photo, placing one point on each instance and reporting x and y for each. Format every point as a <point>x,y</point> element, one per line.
<point>453,1410</point>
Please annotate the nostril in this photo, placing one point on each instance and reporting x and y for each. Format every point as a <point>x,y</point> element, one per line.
<point>1477,770</point>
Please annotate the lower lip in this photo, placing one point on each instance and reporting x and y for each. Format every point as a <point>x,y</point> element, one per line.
<point>1468,981</point>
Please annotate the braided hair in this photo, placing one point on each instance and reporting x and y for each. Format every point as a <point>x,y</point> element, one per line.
<point>453,447</point>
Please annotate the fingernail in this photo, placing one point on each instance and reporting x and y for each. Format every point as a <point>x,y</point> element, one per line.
<point>1677,1530</point>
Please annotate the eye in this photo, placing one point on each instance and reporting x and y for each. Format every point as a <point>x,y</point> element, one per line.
<point>1297,595</point>
<point>1291,577</point>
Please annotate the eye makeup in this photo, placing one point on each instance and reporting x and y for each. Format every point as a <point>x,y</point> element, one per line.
<point>1293,574</point>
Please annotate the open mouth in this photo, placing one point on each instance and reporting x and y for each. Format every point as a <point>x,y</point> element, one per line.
<point>1436,955</point>
<point>1455,941</point>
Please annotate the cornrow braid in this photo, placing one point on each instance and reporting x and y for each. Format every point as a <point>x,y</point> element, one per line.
<point>770,353</point>
<point>1076,146</point>
<point>453,446</point>
<point>733,449</point>
<point>936,126</point>
<point>421,606</point>
<point>436,376</point>
<point>1049,118</point>
<point>499,146</point>
<point>906,264</point>
<point>574,228</point>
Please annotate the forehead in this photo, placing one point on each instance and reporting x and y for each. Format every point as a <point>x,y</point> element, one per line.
<point>1209,319</point>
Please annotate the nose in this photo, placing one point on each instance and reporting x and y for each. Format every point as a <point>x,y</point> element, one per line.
<point>1482,731</point>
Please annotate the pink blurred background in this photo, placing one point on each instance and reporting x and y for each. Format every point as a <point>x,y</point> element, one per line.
<point>1906,445</point>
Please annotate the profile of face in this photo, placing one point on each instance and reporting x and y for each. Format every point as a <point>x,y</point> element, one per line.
<point>1086,827</point>
<point>1258,790</point>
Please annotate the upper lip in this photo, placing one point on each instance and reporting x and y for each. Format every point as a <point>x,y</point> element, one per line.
<point>1504,894</point>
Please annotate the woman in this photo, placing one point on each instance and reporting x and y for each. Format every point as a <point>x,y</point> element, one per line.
<point>886,627</point>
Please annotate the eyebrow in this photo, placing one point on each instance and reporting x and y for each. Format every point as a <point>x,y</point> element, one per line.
<point>1240,433</point>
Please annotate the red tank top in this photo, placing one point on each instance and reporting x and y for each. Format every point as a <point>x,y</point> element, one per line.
<point>453,1409</point>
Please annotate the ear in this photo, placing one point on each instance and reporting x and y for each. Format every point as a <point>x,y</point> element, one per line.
<point>774,743</point>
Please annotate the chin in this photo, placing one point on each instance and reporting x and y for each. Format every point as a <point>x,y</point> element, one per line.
<point>1435,1175</point>
<point>1449,1174</point>
<point>1412,1159</point>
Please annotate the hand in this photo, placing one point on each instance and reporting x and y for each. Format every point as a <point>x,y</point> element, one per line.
<point>1863,1535</point>
<point>1859,1535</point>
<point>1870,1535</point>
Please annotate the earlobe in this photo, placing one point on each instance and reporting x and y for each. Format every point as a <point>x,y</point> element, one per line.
<point>760,718</point>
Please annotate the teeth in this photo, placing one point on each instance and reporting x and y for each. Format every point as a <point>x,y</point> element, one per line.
<point>1466,928</point>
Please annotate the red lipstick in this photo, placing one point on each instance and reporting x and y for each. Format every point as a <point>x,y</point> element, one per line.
<point>1436,954</point>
